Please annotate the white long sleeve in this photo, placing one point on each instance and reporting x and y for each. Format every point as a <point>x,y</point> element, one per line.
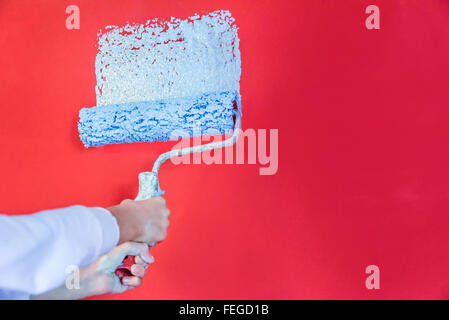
<point>37,250</point>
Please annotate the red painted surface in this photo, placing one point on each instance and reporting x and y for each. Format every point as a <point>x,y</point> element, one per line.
<point>363,148</point>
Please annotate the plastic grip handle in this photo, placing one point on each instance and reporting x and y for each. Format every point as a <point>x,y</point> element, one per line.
<point>125,269</point>
<point>148,188</point>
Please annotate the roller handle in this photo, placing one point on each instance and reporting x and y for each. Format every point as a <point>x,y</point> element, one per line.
<point>149,184</point>
<point>148,188</point>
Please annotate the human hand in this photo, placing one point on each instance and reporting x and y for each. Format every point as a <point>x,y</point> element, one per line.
<point>100,277</point>
<point>142,221</point>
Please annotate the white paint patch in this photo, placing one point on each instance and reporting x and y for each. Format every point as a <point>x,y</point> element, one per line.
<point>162,60</point>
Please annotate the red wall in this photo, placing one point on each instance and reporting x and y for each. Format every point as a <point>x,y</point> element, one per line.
<point>363,147</point>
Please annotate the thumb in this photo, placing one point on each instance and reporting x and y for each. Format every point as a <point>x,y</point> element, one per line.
<point>111,261</point>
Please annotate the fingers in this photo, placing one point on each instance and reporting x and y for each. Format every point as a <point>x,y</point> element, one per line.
<point>160,199</point>
<point>138,270</point>
<point>139,249</point>
<point>140,261</point>
<point>164,211</point>
<point>148,219</point>
<point>132,281</point>
<point>164,221</point>
<point>159,204</point>
<point>116,256</point>
<point>156,231</point>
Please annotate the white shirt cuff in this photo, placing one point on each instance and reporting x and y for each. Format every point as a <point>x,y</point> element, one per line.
<point>111,231</point>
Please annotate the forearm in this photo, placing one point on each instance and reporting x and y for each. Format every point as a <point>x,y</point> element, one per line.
<point>100,277</point>
<point>77,290</point>
<point>62,293</point>
<point>37,249</point>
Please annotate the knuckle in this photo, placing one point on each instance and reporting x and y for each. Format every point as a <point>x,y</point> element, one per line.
<point>163,225</point>
<point>127,246</point>
<point>140,246</point>
<point>163,235</point>
<point>135,246</point>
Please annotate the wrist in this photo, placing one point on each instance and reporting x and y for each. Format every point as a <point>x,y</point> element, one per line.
<point>127,233</point>
<point>110,228</point>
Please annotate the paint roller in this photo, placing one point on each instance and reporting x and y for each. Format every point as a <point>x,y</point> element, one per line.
<point>161,121</point>
<point>164,81</point>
